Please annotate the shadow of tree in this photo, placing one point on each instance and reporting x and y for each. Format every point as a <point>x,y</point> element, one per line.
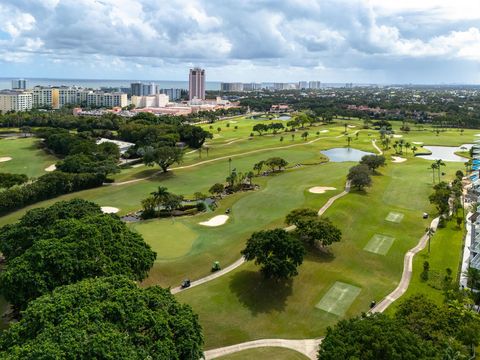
<point>319,255</point>
<point>258,294</point>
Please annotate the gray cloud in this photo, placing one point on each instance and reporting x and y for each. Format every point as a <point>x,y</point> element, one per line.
<point>296,35</point>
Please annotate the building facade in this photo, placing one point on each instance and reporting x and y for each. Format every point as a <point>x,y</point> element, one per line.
<point>230,87</point>
<point>150,101</point>
<point>142,89</point>
<point>19,84</point>
<point>314,85</point>
<point>15,101</point>
<point>57,97</point>
<point>173,94</point>
<point>196,84</point>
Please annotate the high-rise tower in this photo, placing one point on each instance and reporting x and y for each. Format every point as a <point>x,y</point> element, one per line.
<point>196,84</point>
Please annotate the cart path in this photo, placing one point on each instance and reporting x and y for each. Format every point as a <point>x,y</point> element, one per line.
<point>224,158</point>
<point>240,261</point>
<point>309,347</point>
<point>374,143</point>
<point>407,272</point>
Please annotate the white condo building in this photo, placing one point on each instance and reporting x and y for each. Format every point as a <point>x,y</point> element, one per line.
<point>15,101</point>
<point>154,101</point>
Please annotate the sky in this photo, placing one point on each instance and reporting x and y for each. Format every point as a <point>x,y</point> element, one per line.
<point>359,41</point>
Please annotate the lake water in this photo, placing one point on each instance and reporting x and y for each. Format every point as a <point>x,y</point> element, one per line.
<point>446,153</point>
<point>284,117</point>
<point>344,154</point>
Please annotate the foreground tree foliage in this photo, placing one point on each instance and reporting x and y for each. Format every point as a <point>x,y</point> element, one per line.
<point>68,249</point>
<point>8,180</point>
<point>276,251</point>
<point>373,162</point>
<point>376,337</point>
<point>104,318</point>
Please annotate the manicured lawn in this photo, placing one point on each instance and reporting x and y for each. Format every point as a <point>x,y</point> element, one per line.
<point>265,353</point>
<point>27,157</point>
<point>242,306</point>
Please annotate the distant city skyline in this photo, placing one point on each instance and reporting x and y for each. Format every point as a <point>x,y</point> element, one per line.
<point>334,41</point>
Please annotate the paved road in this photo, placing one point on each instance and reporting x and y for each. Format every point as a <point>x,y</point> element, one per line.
<point>374,143</point>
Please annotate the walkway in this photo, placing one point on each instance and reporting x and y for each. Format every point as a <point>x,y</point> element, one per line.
<point>466,252</point>
<point>374,143</point>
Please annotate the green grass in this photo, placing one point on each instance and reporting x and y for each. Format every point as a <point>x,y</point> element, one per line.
<point>27,157</point>
<point>338,298</point>
<point>242,306</point>
<point>445,252</point>
<point>265,353</point>
<point>167,244</point>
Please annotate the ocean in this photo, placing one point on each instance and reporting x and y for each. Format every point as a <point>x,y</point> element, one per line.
<point>6,83</point>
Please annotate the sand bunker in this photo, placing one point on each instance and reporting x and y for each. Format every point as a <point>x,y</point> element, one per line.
<point>417,143</point>
<point>215,221</point>
<point>397,136</point>
<point>320,189</point>
<point>5,158</point>
<point>324,131</point>
<point>233,122</point>
<point>398,159</point>
<point>109,210</point>
<point>51,168</point>
<point>351,126</point>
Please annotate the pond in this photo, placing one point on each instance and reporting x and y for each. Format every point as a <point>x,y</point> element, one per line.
<point>345,154</point>
<point>446,153</point>
<point>284,117</point>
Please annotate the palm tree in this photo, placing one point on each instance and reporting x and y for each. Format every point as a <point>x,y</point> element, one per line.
<point>434,167</point>
<point>305,135</point>
<point>293,137</point>
<point>160,194</point>
<point>439,163</point>
<point>414,149</point>
<point>430,232</point>
<point>349,140</point>
<point>407,146</point>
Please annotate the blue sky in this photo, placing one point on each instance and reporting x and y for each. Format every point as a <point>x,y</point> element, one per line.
<point>375,41</point>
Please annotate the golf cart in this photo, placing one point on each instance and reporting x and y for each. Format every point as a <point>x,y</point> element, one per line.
<point>425,215</point>
<point>216,266</point>
<point>185,284</point>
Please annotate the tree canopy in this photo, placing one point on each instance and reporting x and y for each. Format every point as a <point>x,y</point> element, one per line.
<point>359,176</point>
<point>373,162</point>
<point>66,250</point>
<point>104,318</point>
<point>164,156</point>
<point>376,337</point>
<point>276,251</point>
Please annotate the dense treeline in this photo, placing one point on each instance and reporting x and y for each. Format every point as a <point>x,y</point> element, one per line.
<point>46,187</point>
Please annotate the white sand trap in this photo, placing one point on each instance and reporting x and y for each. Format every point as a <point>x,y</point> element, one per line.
<point>351,126</point>
<point>417,143</point>
<point>398,159</point>
<point>139,165</point>
<point>5,158</point>
<point>109,210</point>
<point>51,168</point>
<point>397,136</point>
<point>320,189</point>
<point>233,122</point>
<point>215,221</point>
<point>324,131</point>
<point>477,134</point>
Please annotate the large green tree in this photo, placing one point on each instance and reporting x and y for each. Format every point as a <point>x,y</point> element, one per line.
<point>276,251</point>
<point>376,337</point>
<point>69,250</point>
<point>164,156</point>
<point>104,318</point>
<point>373,161</point>
<point>359,176</point>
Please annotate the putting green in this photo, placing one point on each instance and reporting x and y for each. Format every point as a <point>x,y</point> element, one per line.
<point>394,217</point>
<point>168,238</point>
<point>379,244</point>
<point>339,298</point>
